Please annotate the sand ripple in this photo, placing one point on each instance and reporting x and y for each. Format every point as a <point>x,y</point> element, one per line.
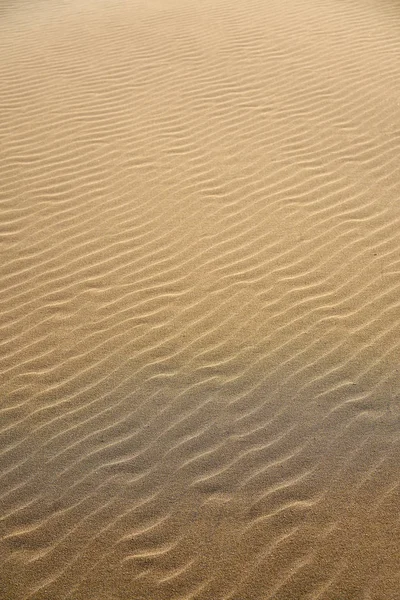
<point>199,300</point>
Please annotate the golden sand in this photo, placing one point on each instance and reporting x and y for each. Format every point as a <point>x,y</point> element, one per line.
<point>199,300</point>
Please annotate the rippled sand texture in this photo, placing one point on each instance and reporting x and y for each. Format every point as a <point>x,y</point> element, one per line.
<point>200,300</point>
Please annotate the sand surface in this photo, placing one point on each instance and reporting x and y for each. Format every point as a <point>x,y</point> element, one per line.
<point>199,300</point>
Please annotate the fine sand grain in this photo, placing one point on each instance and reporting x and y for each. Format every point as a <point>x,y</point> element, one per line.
<point>199,300</point>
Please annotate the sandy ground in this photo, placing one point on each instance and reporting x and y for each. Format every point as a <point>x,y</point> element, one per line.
<point>199,300</point>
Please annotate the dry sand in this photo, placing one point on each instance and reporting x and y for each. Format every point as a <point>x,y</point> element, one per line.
<point>199,301</point>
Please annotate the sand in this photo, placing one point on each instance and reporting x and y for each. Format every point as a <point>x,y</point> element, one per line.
<point>199,300</point>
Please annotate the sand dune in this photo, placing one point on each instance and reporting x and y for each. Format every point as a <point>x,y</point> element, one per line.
<point>199,301</point>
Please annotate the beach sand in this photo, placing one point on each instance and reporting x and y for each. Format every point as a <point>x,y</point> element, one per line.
<point>199,300</point>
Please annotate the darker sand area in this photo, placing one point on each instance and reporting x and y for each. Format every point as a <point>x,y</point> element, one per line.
<point>199,300</point>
